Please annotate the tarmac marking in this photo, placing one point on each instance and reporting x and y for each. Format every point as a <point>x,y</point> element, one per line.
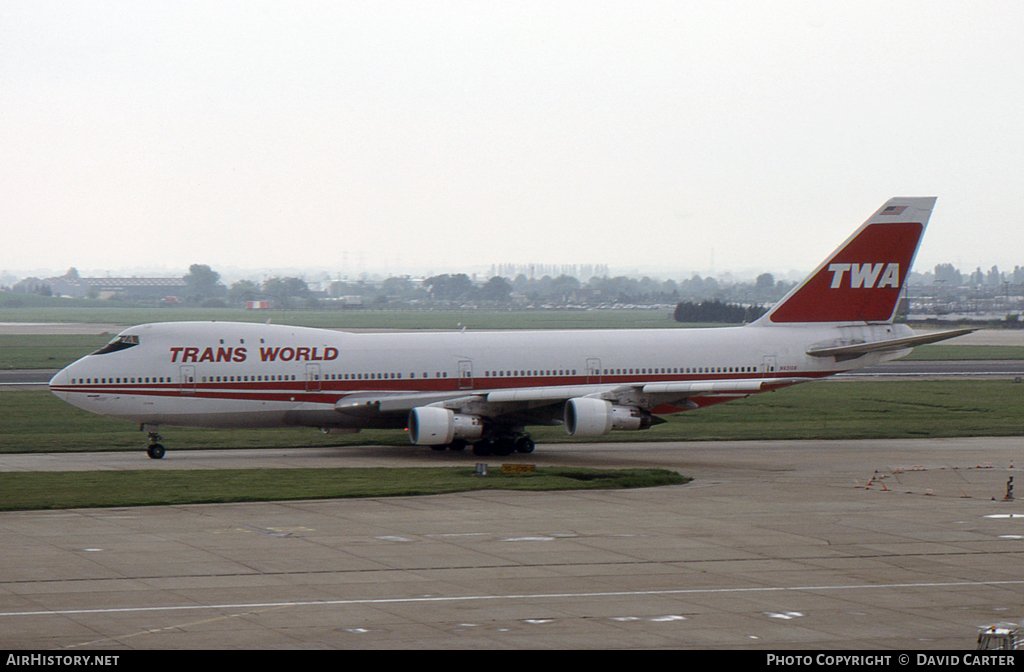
<point>156,631</point>
<point>527,596</point>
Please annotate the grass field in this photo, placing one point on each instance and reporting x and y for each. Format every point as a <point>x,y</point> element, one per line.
<point>90,489</point>
<point>57,351</point>
<point>960,352</point>
<point>358,319</point>
<point>37,421</point>
<point>46,351</point>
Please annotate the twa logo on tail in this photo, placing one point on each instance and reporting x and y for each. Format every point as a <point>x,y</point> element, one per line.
<point>864,275</point>
<point>862,279</point>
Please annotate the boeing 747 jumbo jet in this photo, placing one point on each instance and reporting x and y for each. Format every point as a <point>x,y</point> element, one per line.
<point>453,389</point>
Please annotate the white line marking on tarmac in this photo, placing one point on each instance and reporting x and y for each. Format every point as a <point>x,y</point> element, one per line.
<point>530,539</point>
<point>527,596</point>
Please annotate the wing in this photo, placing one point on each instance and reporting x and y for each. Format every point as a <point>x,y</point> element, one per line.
<point>544,405</point>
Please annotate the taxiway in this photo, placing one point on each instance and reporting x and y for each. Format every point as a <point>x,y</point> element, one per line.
<point>794,544</point>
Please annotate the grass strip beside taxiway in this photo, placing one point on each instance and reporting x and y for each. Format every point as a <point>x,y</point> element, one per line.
<point>21,491</point>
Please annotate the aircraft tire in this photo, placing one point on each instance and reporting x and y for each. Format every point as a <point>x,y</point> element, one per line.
<point>504,446</point>
<point>155,451</point>
<point>525,445</point>
<point>458,444</point>
<point>483,448</point>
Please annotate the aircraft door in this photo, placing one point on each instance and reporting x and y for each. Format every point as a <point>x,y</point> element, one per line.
<point>188,379</point>
<point>769,370</point>
<point>465,374</point>
<point>312,377</point>
<point>593,370</point>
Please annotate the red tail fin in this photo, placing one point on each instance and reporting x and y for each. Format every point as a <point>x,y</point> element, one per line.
<point>861,281</point>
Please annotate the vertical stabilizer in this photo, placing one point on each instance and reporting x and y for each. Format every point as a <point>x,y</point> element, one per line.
<point>861,281</point>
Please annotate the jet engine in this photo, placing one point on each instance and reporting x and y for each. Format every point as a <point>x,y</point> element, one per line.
<point>435,426</point>
<point>587,417</point>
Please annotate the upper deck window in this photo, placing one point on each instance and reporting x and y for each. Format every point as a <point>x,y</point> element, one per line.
<point>119,343</point>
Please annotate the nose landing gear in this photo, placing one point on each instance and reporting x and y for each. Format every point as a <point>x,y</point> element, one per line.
<point>154,450</point>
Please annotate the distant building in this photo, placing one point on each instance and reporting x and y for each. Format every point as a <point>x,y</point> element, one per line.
<point>32,286</point>
<point>350,301</point>
<point>132,288</point>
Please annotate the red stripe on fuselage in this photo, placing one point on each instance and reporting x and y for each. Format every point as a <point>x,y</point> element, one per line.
<point>332,390</point>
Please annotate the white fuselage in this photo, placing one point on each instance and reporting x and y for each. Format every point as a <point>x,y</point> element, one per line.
<point>223,374</point>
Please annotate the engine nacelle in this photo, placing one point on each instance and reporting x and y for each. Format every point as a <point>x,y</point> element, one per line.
<point>434,426</point>
<point>587,417</point>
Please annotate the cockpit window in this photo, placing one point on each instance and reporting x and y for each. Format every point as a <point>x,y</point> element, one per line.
<point>119,343</point>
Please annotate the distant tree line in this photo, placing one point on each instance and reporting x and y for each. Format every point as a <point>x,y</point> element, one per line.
<point>204,287</point>
<point>716,311</point>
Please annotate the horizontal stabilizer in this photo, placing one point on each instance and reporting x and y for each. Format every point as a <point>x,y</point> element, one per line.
<point>857,349</point>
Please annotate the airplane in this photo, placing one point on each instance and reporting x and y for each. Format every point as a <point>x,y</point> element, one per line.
<point>453,389</point>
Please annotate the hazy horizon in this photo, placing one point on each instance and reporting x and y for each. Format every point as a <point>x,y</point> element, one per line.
<point>229,275</point>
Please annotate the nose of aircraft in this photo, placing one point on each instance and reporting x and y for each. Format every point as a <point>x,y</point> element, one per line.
<point>59,382</point>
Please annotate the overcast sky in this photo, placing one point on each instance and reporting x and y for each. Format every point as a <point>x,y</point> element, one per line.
<point>437,136</point>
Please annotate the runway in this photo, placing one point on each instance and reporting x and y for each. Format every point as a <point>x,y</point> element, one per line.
<point>779,545</point>
<point>980,369</point>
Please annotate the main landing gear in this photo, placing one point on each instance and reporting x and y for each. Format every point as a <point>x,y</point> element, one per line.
<point>503,444</point>
<point>499,444</point>
<point>457,444</point>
